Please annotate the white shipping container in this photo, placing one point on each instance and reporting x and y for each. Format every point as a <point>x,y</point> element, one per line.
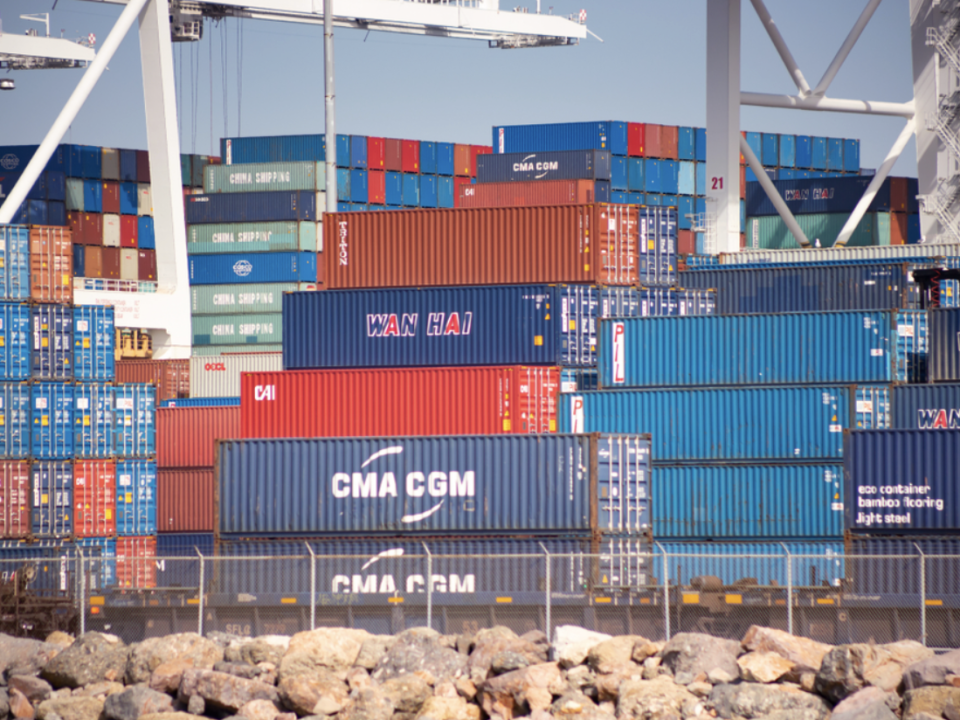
<point>129,264</point>
<point>219,376</point>
<point>144,199</point>
<point>888,253</point>
<point>111,230</point>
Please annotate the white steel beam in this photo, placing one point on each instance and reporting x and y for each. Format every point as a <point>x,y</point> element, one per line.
<point>44,47</point>
<point>847,46</point>
<point>824,104</point>
<point>857,215</point>
<point>768,187</point>
<point>93,72</point>
<point>723,120</point>
<point>330,164</point>
<point>781,45</point>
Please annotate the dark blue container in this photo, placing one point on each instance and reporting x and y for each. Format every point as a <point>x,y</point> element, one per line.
<point>128,165</point>
<point>651,175</point>
<point>851,155</point>
<point>818,153</point>
<point>635,175</point>
<point>817,195</point>
<point>36,212</point>
<point>79,261</point>
<point>411,190</point>
<point>669,177</point>
<point>134,415</point>
<point>887,571</point>
<point>393,182</point>
<point>128,198</point>
<point>428,158</point>
<point>926,407</point>
<point>358,152</point>
<point>93,420</point>
<point>944,333</point>
<point>146,236</point>
<point>566,485</point>
<point>913,229</point>
<point>136,497</point>
<point>618,172</point>
<point>658,247</point>
<point>56,183</point>
<point>184,572</point>
<point>90,162</point>
<point>804,156</point>
<point>52,338</point>
<point>902,481</point>
<point>343,151</point>
<point>601,191</point>
<point>770,149</point>
<point>500,325</point>
<point>428,190</point>
<point>52,421</point>
<point>608,135</point>
<point>16,339</point>
<point>788,151</point>
<point>252,207</point>
<point>358,186</point>
<point>835,154</point>
<point>93,343</point>
<point>235,268</point>
<point>524,166</point>
<point>686,143</point>
<point>344,176</point>
<point>37,192</point>
<point>701,144</point>
<point>445,192</point>
<point>444,159</point>
<point>52,508</point>
<point>56,213</point>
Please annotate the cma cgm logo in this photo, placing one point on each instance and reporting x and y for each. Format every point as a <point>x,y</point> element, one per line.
<point>528,164</point>
<point>371,583</point>
<point>437,484</point>
<point>9,162</point>
<point>938,419</point>
<point>405,324</point>
<point>242,268</point>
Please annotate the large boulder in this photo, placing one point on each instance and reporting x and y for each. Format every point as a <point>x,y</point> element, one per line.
<point>871,703</point>
<point>688,655</point>
<point>372,649</point>
<point>516,693</point>
<point>333,648</point>
<point>847,668</point>
<point>419,650</point>
<point>571,644</point>
<point>932,699</point>
<point>754,700</point>
<point>319,693</point>
<point>763,667</point>
<point>503,645</point>
<point>34,689</point>
<point>222,691</point>
<point>147,656</point>
<point>70,708</point>
<point>606,656</point>
<point>444,708</point>
<point>136,701</point>
<point>259,710</point>
<point>407,693</point>
<point>653,699</point>
<point>933,671</point>
<point>94,657</point>
<point>266,648</point>
<point>22,656</point>
<point>166,676</point>
<point>368,704</point>
<point>805,654</point>
<point>577,706</point>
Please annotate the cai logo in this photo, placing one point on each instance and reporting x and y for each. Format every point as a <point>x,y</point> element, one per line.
<point>242,268</point>
<point>9,162</point>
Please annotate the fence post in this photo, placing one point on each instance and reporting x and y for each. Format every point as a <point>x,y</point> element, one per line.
<point>923,595</point>
<point>429,586</point>
<point>789,589</point>
<point>313,587</point>
<point>666,593</point>
<point>201,593</point>
<point>547,618</point>
<point>82,591</point>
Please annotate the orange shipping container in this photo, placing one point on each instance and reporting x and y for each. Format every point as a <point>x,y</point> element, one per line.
<point>461,160</point>
<point>136,562</point>
<point>898,228</point>
<point>15,499</point>
<point>172,377</point>
<point>526,194</point>
<point>669,138</point>
<point>490,246</point>
<point>94,498</point>
<point>185,500</point>
<point>51,264</point>
<point>186,435</point>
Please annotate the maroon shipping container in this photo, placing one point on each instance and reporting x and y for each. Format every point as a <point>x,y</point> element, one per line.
<point>652,147</point>
<point>375,154</point>
<point>15,498</point>
<point>143,166</point>
<point>483,246</point>
<point>147,265</point>
<point>743,182</point>
<point>403,401</point>
<point>458,183</point>
<point>136,562</point>
<point>669,137</point>
<point>172,377</point>
<point>526,194</point>
<point>75,223</point>
<point>51,264</point>
<point>410,156</point>
<point>186,435</point>
<point>686,242</point>
<point>635,133</point>
<point>128,231</point>
<point>477,150</point>
<point>93,261</point>
<point>185,500</point>
<point>111,197</point>
<point>899,194</point>
<point>393,155</point>
<point>461,160</point>
<point>110,263</point>
<point>376,187</point>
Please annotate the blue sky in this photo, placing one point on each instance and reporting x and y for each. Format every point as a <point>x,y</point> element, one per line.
<point>261,78</point>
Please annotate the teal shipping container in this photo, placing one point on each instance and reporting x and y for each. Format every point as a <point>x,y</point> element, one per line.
<point>254,237</point>
<point>254,329</point>
<point>265,176</point>
<point>241,299</point>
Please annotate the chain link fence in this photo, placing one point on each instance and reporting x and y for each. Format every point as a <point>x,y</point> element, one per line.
<point>829,597</point>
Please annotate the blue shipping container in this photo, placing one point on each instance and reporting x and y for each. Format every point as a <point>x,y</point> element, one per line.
<point>817,195</point>
<point>428,158</point>
<point>93,420</point>
<point>887,570</point>
<point>686,143</point>
<point>134,415</point>
<point>769,149</point>
<point>445,159</point>
<point>128,198</point>
<point>146,237</point>
<point>136,497</point>
<point>552,484</point>
<point>201,402</point>
<point>926,407</point>
<point>52,420</point>
<point>343,151</point>
<point>525,166</point>
<point>701,145</point>
<point>835,154</point>
<point>274,148</point>
<point>128,165</point>
<point>818,153</point>
<point>15,341</point>
<point>242,268</point>
<point>944,339</point>
<point>851,156</point>
<point>16,415</point>
<point>658,246</point>
<point>669,177</point>
<point>254,206</point>
<point>608,135</point>
<point>804,156</point>
<point>344,177</point>
<point>618,172</point>
<point>651,175</point>
<point>79,261</point>
<point>52,329</point>
<point>393,182</point>
<point>52,487</point>
<point>635,175</point>
<point>445,192</point>
<point>686,178</point>
<point>92,196</point>
<point>901,481</point>
<point>358,152</point>
<point>93,343</point>
<point>428,190</point>
<point>411,190</point>
<point>788,151</point>
<point>358,186</point>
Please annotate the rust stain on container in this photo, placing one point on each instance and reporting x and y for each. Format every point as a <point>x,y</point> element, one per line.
<point>51,264</point>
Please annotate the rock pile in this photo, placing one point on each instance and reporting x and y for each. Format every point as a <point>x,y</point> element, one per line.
<point>342,674</point>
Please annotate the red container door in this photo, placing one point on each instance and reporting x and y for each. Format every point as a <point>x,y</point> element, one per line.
<point>477,150</point>
<point>75,222</point>
<point>93,261</point>
<point>743,182</point>
<point>143,166</point>
<point>94,498</point>
<point>111,197</point>
<point>15,499</point>
<point>136,563</point>
<point>651,139</point>
<point>110,263</point>
<point>461,160</point>
<point>393,155</point>
<point>185,500</point>
<point>410,156</point>
<point>92,229</point>
<point>187,436</point>
<point>635,139</point>
<point>376,154</point>
<point>898,228</point>
<point>376,187</point>
<point>51,264</point>
<point>128,231</point>
<point>898,194</point>
<point>147,265</point>
<point>669,137</point>
<point>458,185</point>
<point>686,242</point>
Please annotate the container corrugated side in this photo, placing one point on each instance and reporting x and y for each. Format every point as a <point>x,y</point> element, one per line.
<point>241,299</point>
<point>818,195</point>
<point>926,407</point>
<point>603,135</point>
<point>902,481</point>
<point>51,264</point>
<point>787,349</point>
<point>186,436</point>
<point>891,253</point>
<point>15,253</point>
<point>93,343</point>
<point>784,423</point>
<point>771,232</point>
<point>253,207</point>
<point>944,336</point>
<point>136,497</point>
<point>213,239</point>
<point>185,500</point>
<point>536,192</point>
<point>253,329</point>
<point>714,502</point>
<point>15,428</point>
<point>219,350</point>
<point>52,420</point>
<point>887,570</point>
<point>136,562</point>
<point>542,166</point>
<point>172,377</point>
<point>494,246</point>
<point>260,177</point>
<point>552,484</point>
<point>272,148</point>
<point>15,341</point>
<point>253,268</point>
<point>431,401</point>
<point>220,377</point>
<point>202,402</point>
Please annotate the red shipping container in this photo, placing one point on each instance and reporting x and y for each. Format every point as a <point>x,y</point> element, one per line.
<point>376,187</point>
<point>526,194</point>
<point>669,137</point>
<point>128,231</point>
<point>92,229</point>
<point>403,401</point>
<point>75,222</point>
<point>15,498</point>
<point>147,265</point>
<point>93,261</point>
<point>143,166</point>
<point>376,156</point>
<point>185,500</point>
<point>393,155</point>
<point>652,146</point>
<point>51,264</point>
<point>743,160</point>
<point>110,263</point>
<point>743,182</point>
<point>458,183</point>
<point>461,160</point>
<point>94,498</point>
<point>186,435</point>
<point>410,156</point>
<point>172,377</point>
<point>635,139</point>
<point>111,197</point>
<point>484,246</point>
<point>898,194</point>
<point>136,562</point>
<point>477,150</point>
<point>686,242</point>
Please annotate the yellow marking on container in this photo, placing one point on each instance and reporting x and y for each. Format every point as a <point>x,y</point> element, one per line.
<point>935,602</point>
<point>395,600</point>
<point>97,600</point>
<point>602,600</point>
<point>193,601</point>
<point>288,601</point>
<point>734,599</point>
<point>824,601</point>
<point>691,598</point>
<point>504,599</point>
<point>644,601</point>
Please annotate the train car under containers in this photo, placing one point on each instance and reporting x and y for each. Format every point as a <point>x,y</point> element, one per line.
<point>403,401</point>
<point>944,338</point>
<point>253,268</point>
<point>539,166</point>
<point>552,484</point>
<point>902,481</point>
